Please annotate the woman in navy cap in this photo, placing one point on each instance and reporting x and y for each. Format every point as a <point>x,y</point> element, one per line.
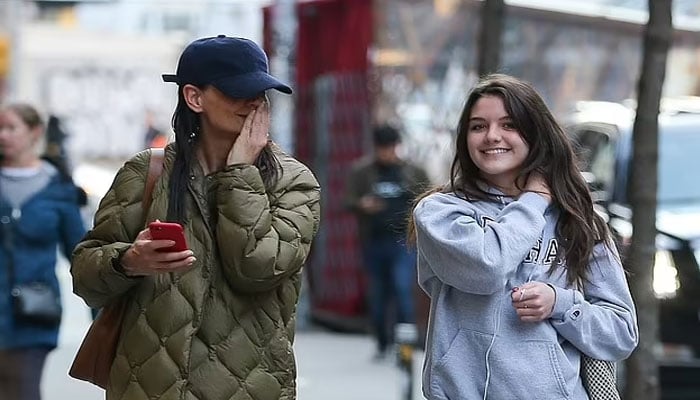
<point>214,321</point>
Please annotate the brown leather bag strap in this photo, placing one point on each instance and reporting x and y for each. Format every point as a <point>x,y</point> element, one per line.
<point>96,354</point>
<point>155,169</point>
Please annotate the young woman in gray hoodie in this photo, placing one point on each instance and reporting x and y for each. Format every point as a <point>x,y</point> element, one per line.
<point>522,274</point>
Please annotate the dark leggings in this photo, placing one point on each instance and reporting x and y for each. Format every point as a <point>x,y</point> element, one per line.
<point>20,373</point>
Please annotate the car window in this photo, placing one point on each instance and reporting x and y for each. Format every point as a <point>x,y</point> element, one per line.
<point>596,155</point>
<point>679,164</point>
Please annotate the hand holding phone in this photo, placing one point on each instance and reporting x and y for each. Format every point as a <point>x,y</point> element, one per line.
<point>168,231</point>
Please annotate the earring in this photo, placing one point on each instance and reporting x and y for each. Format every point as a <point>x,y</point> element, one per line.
<point>193,135</point>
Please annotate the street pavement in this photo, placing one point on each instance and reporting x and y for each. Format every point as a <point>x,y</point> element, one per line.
<point>331,365</point>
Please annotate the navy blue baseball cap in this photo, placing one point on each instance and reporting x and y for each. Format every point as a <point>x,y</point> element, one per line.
<point>236,66</point>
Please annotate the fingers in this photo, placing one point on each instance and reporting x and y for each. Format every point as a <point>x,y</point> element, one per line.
<point>144,235</point>
<point>145,257</point>
<point>254,136</point>
<point>182,265</point>
<point>261,125</point>
<point>174,265</point>
<point>248,123</point>
<point>537,183</point>
<point>533,301</point>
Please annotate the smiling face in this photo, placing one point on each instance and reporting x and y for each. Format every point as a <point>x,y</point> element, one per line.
<point>493,143</point>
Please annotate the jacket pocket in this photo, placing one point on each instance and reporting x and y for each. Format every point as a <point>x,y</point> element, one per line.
<point>461,372</point>
<point>529,369</point>
<point>522,370</point>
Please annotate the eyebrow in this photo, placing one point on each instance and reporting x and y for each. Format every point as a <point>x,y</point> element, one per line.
<point>484,119</point>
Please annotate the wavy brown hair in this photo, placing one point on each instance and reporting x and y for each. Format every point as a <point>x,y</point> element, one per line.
<point>551,154</point>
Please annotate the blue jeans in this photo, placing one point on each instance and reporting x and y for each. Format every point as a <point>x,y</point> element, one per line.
<point>391,268</point>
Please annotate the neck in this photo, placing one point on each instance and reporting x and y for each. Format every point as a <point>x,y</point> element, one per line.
<point>212,154</point>
<point>21,161</point>
<point>506,186</point>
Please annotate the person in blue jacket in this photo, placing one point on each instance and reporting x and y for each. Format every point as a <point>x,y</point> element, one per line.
<point>39,210</point>
<point>522,274</point>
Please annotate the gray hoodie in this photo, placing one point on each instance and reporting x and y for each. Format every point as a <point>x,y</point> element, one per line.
<point>471,254</point>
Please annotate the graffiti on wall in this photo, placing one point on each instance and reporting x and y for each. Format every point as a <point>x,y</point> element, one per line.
<point>104,108</point>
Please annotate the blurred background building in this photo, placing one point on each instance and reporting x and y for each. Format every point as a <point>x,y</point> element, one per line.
<point>96,64</point>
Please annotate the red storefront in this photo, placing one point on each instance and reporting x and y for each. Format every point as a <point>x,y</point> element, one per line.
<point>331,129</point>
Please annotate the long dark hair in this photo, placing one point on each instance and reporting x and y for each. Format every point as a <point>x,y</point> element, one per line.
<point>186,125</point>
<point>551,154</point>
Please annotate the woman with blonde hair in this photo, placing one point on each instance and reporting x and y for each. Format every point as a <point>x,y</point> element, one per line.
<point>39,211</point>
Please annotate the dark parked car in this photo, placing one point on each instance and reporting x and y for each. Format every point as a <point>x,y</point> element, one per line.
<point>603,132</point>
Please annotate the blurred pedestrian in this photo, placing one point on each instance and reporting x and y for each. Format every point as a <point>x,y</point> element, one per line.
<point>56,154</point>
<point>523,276</point>
<point>55,143</point>
<point>39,211</point>
<point>380,190</point>
<point>153,137</point>
<point>216,320</point>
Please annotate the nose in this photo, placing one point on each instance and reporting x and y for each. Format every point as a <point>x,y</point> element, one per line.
<point>493,134</point>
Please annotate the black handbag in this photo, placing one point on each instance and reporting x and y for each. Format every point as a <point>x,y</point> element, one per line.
<point>36,302</point>
<point>599,377</point>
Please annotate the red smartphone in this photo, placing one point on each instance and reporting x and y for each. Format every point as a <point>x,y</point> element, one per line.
<point>169,231</point>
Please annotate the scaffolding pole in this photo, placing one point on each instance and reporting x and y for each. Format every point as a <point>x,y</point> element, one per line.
<point>284,28</point>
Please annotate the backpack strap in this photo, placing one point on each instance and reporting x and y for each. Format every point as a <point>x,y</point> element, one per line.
<point>155,170</point>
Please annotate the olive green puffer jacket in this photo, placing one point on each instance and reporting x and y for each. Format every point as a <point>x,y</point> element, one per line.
<point>224,329</point>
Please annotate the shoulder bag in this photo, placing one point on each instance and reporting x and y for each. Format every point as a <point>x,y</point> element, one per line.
<point>96,354</point>
<point>599,378</point>
<point>35,302</point>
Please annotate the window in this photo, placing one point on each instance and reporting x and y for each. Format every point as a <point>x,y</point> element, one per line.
<point>596,155</point>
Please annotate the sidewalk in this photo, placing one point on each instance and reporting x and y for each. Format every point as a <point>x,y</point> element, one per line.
<point>339,367</point>
<point>331,366</point>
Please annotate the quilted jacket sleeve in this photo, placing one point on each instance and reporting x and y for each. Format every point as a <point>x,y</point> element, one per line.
<point>117,223</point>
<point>72,227</point>
<point>264,239</point>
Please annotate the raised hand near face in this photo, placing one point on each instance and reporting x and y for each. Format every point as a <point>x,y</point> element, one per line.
<point>253,138</point>
<point>538,184</point>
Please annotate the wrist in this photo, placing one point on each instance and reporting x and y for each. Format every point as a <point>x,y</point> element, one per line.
<point>554,301</point>
<point>119,263</point>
